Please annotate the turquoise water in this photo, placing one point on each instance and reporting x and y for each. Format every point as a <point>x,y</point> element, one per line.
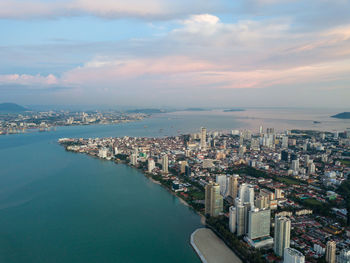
<point>57,206</point>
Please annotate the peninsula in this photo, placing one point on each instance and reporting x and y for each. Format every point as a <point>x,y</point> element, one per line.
<point>245,183</point>
<point>343,115</point>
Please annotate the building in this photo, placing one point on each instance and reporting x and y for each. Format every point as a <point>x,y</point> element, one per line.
<point>221,180</point>
<point>291,255</point>
<point>232,186</point>
<point>344,256</point>
<point>246,193</point>
<point>295,165</point>
<point>282,235</point>
<point>311,168</point>
<point>278,193</point>
<point>183,165</point>
<point>213,199</point>
<point>241,218</point>
<point>232,219</point>
<point>102,153</point>
<point>284,143</point>
<point>330,251</point>
<point>262,202</point>
<point>165,164</point>
<point>259,223</point>
<point>203,138</point>
<point>133,159</point>
<point>151,165</point>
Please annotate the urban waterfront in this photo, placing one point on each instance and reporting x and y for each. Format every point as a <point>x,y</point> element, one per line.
<point>62,207</point>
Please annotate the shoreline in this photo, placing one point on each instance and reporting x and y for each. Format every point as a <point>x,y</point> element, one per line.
<point>210,248</point>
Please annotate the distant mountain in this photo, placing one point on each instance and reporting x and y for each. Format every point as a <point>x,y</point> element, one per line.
<point>343,115</point>
<point>11,107</point>
<point>232,110</point>
<point>146,111</point>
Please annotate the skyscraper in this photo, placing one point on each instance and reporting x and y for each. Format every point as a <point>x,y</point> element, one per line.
<point>240,219</point>
<point>259,223</point>
<point>151,165</point>
<point>246,193</point>
<point>165,164</point>
<point>221,180</point>
<point>291,255</point>
<point>232,219</point>
<point>330,251</point>
<point>213,199</point>
<point>232,186</point>
<point>203,138</point>
<point>282,235</point>
<point>133,159</point>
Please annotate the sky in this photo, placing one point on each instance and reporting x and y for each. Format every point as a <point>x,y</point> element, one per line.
<point>193,53</point>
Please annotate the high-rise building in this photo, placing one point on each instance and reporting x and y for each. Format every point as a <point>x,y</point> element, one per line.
<point>241,218</point>
<point>284,143</point>
<point>221,180</point>
<point>183,166</point>
<point>291,255</point>
<point>213,199</point>
<point>188,170</point>
<point>295,165</point>
<point>133,159</point>
<point>259,223</point>
<point>151,165</point>
<point>285,156</point>
<point>282,235</point>
<point>278,193</point>
<point>331,249</point>
<point>232,219</point>
<point>246,193</point>
<point>203,138</point>
<point>344,256</point>
<point>165,164</point>
<point>262,202</point>
<point>311,169</point>
<point>232,186</point>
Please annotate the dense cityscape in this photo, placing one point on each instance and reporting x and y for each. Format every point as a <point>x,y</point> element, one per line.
<point>13,123</point>
<point>270,196</point>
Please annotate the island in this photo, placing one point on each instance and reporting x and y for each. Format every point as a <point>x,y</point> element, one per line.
<point>343,115</point>
<point>233,110</point>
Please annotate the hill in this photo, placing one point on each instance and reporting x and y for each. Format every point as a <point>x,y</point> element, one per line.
<point>343,115</point>
<point>146,111</point>
<point>11,107</point>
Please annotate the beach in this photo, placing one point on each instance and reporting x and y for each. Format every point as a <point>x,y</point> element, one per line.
<point>211,249</point>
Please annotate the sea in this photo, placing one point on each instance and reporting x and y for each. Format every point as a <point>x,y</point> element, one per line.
<point>58,206</point>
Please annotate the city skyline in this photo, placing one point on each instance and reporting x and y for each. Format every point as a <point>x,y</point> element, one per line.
<point>206,54</point>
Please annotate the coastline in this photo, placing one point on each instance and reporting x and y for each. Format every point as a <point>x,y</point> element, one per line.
<point>210,248</point>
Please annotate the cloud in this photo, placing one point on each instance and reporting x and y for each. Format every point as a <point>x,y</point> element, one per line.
<point>151,9</point>
<point>29,80</point>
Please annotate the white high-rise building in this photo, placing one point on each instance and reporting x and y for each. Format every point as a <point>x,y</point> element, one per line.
<point>151,165</point>
<point>282,235</point>
<point>133,159</point>
<point>291,255</point>
<point>241,218</point>
<point>259,223</point>
<point>203,138</point>
<point>284,144</point>
<point>344,256</point>
<point>221,180</point>
<point>295,165</point>
<point>232,219</point>
<point>311,168</point>
<point>246,193</point>
<point>102,153</point>
<point>165,164</point>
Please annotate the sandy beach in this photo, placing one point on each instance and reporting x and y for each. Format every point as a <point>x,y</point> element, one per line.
<point>210,248</point>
